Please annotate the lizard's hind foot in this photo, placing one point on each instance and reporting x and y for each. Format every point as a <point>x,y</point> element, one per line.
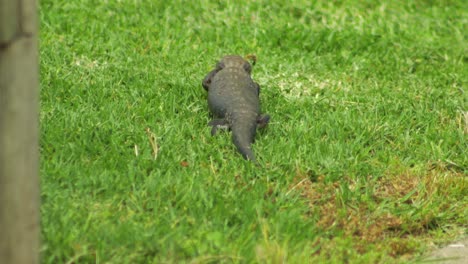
<point>218,124</point>
<point>263,120</point>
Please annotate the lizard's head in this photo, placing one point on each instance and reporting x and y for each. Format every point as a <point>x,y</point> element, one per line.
<point>230,61</point>
<point>234,61</point>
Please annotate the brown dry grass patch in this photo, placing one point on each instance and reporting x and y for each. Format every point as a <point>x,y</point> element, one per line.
<point>390,213</point>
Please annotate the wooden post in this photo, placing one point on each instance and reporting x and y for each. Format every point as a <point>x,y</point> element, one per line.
<point>19,156</point>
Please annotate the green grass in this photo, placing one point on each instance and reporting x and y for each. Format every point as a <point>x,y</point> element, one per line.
<point>364,160</point>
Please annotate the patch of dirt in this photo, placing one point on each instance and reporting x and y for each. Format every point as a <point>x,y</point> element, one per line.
<point>454,253</point>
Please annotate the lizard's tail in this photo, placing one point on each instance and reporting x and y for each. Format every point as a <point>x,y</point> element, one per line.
<point>243,134</point>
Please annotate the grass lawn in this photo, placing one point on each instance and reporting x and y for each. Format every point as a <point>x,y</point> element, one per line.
<point>364,160</point>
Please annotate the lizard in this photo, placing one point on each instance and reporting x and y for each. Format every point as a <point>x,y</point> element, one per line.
<point>233,99</point>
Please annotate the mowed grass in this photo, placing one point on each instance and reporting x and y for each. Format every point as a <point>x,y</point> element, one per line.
<point>364,160</point>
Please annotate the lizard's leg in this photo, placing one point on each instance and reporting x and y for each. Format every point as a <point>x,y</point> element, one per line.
<point>207,80</point>
<point>217,124</point>
<point>262,121</point>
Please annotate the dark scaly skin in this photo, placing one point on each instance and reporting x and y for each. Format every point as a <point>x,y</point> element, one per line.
<point>233,98</point>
